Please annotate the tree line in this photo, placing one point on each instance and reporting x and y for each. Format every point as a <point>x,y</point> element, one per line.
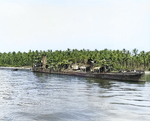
<point>118,59</point>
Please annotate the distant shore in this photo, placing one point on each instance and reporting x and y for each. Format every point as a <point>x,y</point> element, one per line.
<point>19,68</point>
<point>147,72</point>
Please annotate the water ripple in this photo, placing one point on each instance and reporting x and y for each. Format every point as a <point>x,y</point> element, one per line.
<point>28,96</point>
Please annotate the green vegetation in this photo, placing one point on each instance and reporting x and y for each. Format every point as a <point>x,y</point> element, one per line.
<point>118,59</point>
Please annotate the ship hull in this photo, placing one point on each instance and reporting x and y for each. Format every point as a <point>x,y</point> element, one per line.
<point>111,76</point>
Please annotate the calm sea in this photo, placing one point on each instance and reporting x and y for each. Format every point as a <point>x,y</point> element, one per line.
<point>28,96</point>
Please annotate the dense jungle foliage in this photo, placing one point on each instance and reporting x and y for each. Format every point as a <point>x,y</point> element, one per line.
<point>118,59</point>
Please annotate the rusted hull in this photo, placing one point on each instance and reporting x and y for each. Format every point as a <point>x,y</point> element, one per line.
<point>111,76</point>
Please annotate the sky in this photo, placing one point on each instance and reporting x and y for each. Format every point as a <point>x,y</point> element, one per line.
<point>76,24</point>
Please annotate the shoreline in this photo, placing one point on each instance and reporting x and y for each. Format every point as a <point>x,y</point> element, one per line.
<point>147,72</point>
<point>18,68</point>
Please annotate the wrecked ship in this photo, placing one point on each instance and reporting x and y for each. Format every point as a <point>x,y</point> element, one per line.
<point>87,70</point>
